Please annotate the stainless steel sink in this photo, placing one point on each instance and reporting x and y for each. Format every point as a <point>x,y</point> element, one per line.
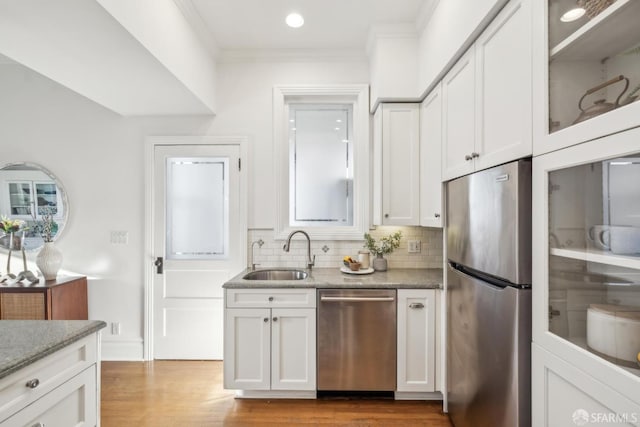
<point>276,275</point>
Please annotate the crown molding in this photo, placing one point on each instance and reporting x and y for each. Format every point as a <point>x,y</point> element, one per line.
<point>198,25</point>
<point>390,31</point>
<point>291,55</point>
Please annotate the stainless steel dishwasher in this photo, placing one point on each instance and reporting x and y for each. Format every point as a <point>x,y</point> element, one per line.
<point>356,340</point>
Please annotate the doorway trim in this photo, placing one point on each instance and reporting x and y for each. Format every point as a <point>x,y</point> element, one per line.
<point>151,142</point>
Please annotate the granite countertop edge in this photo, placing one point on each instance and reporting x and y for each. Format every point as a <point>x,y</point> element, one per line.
<point>31,352</point>
<point>399,278</point>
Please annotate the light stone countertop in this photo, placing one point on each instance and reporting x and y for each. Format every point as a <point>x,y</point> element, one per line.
<point>23,342</point>
<point>396,278</point>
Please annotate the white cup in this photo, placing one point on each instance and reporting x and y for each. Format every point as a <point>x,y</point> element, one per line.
<point>598,236</point>
<point>624,240</point>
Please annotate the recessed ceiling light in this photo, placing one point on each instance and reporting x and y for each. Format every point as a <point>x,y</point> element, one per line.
<point>295,20</point>
<point>572,14</point>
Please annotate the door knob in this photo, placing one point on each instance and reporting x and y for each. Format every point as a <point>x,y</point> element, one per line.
<point>475,155</point>
<point>159,263</point>
<point>437,215</point>
<point>265,320</point>
<point>468,157</point>
<point>275,319</point>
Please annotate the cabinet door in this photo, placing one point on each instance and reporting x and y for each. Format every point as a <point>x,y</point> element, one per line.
<point>247,347</point>
<point>458,117</point>
<point>431,160</point>
<point>504,87</point>
<point>416,340</point>
<point>74,403</point>
<point>400,164</point>
<point>293,351</point>
<point>563,395</point>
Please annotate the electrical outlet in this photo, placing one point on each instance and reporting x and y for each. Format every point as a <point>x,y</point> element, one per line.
<point>413,246</point>
<point>115,328</point>
<point>119,237</point>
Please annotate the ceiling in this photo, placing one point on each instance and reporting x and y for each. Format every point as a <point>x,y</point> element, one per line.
<point>329,24</point>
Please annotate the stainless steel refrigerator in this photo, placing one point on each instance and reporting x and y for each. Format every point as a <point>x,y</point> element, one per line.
<point>488,232</point>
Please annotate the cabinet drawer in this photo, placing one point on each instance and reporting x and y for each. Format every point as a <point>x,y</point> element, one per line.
<point>49,372</point>
<point>283,297</point>
<point>74,403</point>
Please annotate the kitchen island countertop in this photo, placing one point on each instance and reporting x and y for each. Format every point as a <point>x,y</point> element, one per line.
<point>395,278</point>
<point>23,342</point>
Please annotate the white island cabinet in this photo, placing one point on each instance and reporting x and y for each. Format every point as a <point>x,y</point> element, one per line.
<point>270,342</point>
<point>60,389</point>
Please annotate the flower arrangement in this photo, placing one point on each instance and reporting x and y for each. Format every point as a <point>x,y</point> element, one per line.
<point>49,227</point>
<point>386,246</point>
<point>9,225</point>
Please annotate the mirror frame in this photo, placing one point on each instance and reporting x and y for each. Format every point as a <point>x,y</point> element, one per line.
<point>63,197</point>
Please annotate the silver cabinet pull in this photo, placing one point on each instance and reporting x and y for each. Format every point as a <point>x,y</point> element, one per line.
<point>475,155</point>
<point>416,305</point>
<point>270,299</point>
<point>356,299</point>
<point>265,320</point>
<point>33,383</point>
<point>38,425</point>
<point>275,319</point>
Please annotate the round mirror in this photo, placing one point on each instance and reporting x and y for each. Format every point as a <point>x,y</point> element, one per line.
<point>29,192</point>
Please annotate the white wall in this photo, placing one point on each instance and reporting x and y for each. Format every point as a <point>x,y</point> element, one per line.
<point>98,156</point>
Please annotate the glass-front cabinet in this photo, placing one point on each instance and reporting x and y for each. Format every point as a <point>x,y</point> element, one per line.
<point>586,270</point>
<point>592,50</point>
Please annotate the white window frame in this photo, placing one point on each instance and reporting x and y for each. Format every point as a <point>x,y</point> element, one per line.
<point>358,97</point>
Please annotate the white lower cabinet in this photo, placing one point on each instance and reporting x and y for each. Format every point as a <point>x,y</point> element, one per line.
<point>271,348</point>
<point>416,340</point>
<point>571,396</point>
<point>60,390</point>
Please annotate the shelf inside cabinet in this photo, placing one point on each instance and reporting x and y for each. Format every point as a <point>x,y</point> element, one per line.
<point>612,31</point>
<point>602,257</point>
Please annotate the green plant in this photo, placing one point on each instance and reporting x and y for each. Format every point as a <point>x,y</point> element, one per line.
<point>387,244</point>
<point>9,225</point>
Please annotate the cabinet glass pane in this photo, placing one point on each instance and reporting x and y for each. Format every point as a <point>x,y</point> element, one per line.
<point>594,261</point>
<point>20,198</point>
<point>197,208</point>
<point>47,196</point>
<point>594,59</point>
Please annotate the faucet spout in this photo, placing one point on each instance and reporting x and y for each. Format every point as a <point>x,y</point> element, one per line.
<point>310,261</point>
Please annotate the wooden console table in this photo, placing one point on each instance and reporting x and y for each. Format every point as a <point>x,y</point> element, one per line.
<point>62,299</point>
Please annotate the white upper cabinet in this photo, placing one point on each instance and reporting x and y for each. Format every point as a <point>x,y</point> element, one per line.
<point>431,159</point>
<point>487,116</point>
<point>458,117</point>
<point>504,88</point>
<point>398,170</point>
<point>587,78</point>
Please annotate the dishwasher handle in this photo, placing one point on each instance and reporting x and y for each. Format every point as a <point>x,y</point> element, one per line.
<point>356,299</point>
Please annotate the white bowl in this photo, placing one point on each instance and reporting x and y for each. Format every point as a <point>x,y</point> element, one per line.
<point>614,331</point>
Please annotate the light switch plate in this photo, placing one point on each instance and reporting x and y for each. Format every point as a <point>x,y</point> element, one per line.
<point>413,246</point>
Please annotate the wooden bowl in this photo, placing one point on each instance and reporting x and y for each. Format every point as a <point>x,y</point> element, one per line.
<point>354,266</point>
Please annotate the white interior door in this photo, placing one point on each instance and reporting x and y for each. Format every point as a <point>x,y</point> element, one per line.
<point>198,243</point>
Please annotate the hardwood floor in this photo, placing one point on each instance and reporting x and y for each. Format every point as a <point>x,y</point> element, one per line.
<point>190,393</point>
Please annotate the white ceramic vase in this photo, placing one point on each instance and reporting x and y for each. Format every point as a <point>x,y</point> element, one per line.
<point>49,261</point>
<point>379,263</point>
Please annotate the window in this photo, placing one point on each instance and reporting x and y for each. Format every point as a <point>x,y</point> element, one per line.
<point>322,160</point>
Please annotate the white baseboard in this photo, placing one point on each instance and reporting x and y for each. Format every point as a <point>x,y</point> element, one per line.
<point>275,394</point>
<point>120,350</point>
<point>416,395</point>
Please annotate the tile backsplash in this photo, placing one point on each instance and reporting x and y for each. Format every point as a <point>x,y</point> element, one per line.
<point>272,255</point>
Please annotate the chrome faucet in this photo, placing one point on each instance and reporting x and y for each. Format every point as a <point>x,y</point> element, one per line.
<point>310,261</point>
<point>260,242</point>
